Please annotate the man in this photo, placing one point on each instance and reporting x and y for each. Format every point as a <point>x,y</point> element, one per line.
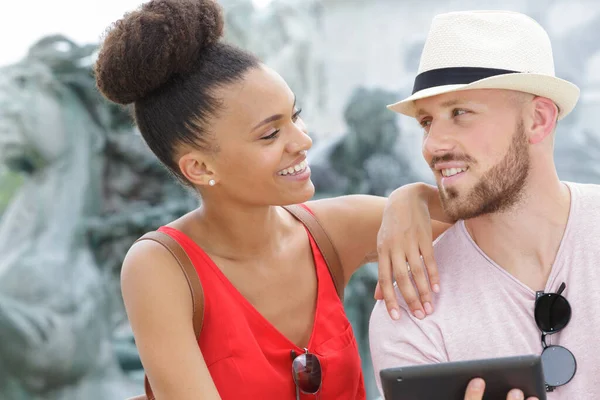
<point>488,101</point>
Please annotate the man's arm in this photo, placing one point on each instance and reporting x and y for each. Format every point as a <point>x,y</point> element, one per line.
<point>407,341</point>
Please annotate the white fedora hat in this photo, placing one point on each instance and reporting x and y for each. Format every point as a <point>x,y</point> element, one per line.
<point>488,50</point>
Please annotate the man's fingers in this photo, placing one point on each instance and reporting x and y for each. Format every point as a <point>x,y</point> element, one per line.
<point>515,394</point>
<point>475,389</point>
<point>386,286</point>
<point>419,276</point>
<point>405,285</point>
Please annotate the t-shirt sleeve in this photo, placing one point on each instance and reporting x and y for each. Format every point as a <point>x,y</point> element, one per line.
<point>408,341</point>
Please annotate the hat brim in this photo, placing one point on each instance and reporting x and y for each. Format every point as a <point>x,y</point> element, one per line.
<point>563,93</point>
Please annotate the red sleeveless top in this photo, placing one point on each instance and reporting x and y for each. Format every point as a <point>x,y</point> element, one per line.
<point>248,358</point>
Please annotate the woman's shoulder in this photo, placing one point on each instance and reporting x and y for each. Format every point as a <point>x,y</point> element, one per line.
<point>149,267</point>
<point>350,205</point>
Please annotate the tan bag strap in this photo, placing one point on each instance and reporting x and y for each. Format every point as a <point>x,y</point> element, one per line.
<point>324,244</point>
<point>188,270</point>
<point>193,282</point>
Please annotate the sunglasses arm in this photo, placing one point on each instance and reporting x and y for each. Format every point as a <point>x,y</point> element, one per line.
<point>544,345</point>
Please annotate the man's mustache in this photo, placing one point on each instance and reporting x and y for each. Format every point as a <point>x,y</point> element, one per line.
<point>450,157</point>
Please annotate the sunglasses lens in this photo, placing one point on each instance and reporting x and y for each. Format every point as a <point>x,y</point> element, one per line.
<point>559,365</point>
<point>552,313</point>
<point>307,373</point>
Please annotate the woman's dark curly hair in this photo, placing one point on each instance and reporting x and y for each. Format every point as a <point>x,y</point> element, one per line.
<point>167,58</point>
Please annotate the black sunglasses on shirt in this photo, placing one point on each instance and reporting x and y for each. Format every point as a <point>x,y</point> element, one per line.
<point>552,314</point>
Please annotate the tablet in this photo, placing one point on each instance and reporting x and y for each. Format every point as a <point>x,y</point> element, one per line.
<point>449,381</point>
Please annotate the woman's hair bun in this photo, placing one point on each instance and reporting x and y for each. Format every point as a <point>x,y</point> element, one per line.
<point>147,46</point>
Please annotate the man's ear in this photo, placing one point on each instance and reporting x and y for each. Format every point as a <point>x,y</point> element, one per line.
<point>197,169</point>
<point>542,121</point>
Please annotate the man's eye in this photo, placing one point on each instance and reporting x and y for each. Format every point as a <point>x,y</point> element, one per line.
<point>456,112</point>
<point>296,115</point>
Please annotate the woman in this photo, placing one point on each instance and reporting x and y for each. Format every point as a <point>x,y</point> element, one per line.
<point>228,127</point>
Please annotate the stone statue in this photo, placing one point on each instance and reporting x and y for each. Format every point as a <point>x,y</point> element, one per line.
<point>291,49</point>
<point>55,322</point>
<point>578,144</point>
<point>575,48</point>
<point>365,160</point>
<point>284,36</point>
<point>138,195</point>
<point>240,20</point>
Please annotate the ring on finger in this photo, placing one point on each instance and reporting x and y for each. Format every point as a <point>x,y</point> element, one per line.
<point>408,266</point>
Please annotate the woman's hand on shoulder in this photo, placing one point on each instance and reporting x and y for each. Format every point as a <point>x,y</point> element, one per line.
<point>159,307</point>
<point>394,231</point>
<point>405,250</point>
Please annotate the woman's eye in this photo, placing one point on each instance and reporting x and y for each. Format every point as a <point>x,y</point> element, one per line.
<point>272,135</point>
<point>458,111</point>
<point>275,133</point>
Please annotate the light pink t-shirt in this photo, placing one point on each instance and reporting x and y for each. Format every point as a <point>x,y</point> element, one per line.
<point>483,311</point>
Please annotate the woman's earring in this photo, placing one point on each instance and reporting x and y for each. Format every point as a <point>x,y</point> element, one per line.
<point>212,182</point>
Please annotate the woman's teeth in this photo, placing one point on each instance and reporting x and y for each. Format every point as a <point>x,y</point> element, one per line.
<point>293,170</point>
<point>452,171</point>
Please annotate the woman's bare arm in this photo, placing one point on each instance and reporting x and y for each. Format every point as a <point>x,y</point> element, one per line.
<point>354,221</point>
<point>159,307</point>
<point>412,218</point>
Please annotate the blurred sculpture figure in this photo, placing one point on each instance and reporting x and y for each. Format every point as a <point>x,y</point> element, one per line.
<point>366,159</point>
<point>240,21</point>
<point>578,145</point>
<point>55,321</point>
<point>292,30</point>
<point>284,36</point>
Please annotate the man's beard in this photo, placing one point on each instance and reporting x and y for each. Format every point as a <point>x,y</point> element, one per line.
<point>498,190</point>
